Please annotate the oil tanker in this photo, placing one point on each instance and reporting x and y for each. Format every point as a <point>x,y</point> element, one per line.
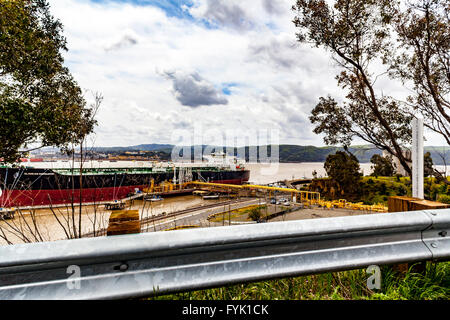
<point>40,186</point>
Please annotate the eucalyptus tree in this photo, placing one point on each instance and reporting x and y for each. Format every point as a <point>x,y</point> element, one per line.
<point>382,166</point>
<point>422,61</point>
<point>408,41</point>
<point>40,102</point>
<point>357,33</point>
<point>343,168</point>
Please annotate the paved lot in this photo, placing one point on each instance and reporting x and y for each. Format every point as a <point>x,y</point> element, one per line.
<point>198,218</point>
<point>319,213</point>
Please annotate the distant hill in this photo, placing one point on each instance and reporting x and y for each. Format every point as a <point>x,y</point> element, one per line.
<point>294,153</point>
<point>440,155</point>
<point>143,147</point>
<point>153,147</point>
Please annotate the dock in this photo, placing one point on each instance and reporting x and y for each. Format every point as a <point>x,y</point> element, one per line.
<point>180,192</point>
<point>115,205</point>
<point>7,213</point>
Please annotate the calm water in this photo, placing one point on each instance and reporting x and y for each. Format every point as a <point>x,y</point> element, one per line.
<point>267,173</point>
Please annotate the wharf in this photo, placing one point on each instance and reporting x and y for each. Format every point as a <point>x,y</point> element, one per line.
<point>115,205</point>
<point>173,192</point>
<point>7,213</point>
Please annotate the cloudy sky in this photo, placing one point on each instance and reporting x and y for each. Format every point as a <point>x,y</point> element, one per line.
<point>219,68</point>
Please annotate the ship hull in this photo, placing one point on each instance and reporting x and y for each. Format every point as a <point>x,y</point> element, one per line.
<point>41,187</point>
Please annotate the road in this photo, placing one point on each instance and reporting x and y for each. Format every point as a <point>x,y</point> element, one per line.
<point>197,217</point>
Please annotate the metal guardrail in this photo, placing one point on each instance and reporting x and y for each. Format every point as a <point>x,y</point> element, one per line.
<point>172,261</point>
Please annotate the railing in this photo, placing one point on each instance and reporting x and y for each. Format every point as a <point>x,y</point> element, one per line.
<point>172,261</point>
<point>305,196</point>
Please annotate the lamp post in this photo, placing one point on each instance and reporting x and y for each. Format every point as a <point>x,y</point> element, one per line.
<point>417,158</point>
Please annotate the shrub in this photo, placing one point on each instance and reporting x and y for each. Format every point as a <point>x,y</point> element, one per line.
<point>382,188</point>
<point>444,198</point>
<point>255,214</point>
<point>401,191</point>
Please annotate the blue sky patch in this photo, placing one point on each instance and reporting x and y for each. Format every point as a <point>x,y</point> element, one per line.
<point>226,87</point>
<point>173,8</point>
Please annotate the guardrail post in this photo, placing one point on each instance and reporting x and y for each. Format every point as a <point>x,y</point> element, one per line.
<point>401,204</point>
<point>124,222</point>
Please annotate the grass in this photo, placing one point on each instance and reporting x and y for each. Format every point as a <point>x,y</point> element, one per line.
<point>434,284</point>
<point>373,190</point>
<point>237,214</point>
<point>378,189</point>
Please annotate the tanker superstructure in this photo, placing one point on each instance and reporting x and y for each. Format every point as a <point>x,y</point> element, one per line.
<point>39,186</point>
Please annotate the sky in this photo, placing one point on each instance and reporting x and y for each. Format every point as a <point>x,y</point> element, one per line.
<point>199,71</point>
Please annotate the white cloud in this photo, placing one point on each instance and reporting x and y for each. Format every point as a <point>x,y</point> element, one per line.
<point>192,90</point>
<point>125,42</point>
<point>223,13</point>
<point>121,50</point>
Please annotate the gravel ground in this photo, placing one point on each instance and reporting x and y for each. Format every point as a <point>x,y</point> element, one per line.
<point>319,213</point>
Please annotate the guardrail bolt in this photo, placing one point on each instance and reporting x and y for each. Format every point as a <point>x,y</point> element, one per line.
<point>123,267</point>
<point>434,245</point>
<point>443,233</point>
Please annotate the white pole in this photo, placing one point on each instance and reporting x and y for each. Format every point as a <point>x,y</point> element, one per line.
<point>417,158</point>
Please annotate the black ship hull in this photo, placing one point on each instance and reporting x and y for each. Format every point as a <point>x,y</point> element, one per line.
<point>41,187</point>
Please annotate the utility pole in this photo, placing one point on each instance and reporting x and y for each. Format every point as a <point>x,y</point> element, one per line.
<point>417,158</point>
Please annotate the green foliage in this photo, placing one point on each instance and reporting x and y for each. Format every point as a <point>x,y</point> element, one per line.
<point>373,190</point>
<point>382,188</point>
<point>410,39</point>
<point>255,214</point>
<point>292,153</point>
<point>357,33</point>
<point>428,165</point>
<point>377,190</point>
<point>444,198</point>
<point>39,99</point>
<point>343,168</point>
<point>382,166</point>
<point>423,33</point>
<point>433,285</point>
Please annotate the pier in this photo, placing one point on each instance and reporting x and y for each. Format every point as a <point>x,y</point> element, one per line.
<point>253,190</point>
<point>115,205</point>
<point>7,213</point>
